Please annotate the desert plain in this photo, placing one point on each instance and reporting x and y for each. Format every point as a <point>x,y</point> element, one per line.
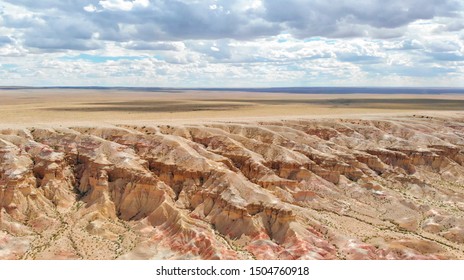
<point>191,174</point>
<point>112,105</point>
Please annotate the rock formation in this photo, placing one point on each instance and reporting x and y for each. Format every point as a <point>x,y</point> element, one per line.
<point>369,188</point>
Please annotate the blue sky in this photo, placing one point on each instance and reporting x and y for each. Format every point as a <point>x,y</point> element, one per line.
<point>220,43</point>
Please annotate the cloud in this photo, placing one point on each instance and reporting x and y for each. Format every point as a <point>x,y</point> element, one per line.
<point>329,18</point>
<point>153,20</point>
<point>174,20</point>
<point>59,33</point>
<point>447,56</point>
<point>444,45</point>
<point>20,21</point>
<point>154,46</point>
<point>101,59</point>
<point>240,42</point>
<point>359,58</point>
<point>122,5</point>
<point>411,44</point>
<point>53,45</point>
<point>5,40</point>
<point>454,25</point>
<point>90,8</point>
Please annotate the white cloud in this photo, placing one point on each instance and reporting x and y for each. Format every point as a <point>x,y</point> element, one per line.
<point>142,3</point>
<point>116,5</point>
<point>90,8</point>
<point>123,5</point>
<point>231,43</point>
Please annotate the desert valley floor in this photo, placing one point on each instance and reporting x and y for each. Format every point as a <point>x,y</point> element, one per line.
<point>99,175</point>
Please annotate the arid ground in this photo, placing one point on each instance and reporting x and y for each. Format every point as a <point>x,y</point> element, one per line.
<point>34,106</point>
<point>113,174</point>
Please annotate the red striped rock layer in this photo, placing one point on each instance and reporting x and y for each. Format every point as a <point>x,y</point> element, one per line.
<point>379,188</point>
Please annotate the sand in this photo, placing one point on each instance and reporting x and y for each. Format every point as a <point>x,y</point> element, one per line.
<point>65,106</point>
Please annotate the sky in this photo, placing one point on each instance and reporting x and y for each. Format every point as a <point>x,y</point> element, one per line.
<point>232,43</point>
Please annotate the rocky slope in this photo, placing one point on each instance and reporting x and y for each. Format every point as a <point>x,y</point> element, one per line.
<point>370,188</point>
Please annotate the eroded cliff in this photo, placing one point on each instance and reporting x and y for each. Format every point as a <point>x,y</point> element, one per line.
<point>371,188</point>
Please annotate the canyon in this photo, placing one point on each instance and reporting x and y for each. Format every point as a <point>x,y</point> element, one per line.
<point>378,187</point>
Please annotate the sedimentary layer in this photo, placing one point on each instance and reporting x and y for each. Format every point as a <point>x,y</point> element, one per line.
<point>347,188</point>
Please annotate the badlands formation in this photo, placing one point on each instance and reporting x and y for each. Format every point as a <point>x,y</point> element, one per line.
<point>329,188</point>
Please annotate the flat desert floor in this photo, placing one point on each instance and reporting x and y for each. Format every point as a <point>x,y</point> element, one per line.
<point>108,174</point>
<point>36,106</point>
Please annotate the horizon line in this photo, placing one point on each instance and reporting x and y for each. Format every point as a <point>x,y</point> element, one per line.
<point>233,88</point>
<point>283,90</point>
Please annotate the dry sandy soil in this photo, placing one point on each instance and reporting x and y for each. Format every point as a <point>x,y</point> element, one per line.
<point>34,106</point>
<point>189,175</point>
